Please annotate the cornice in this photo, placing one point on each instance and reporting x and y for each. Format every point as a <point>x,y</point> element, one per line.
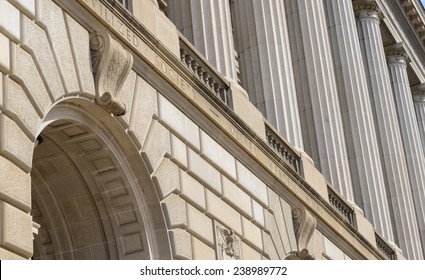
<point>416,17</point>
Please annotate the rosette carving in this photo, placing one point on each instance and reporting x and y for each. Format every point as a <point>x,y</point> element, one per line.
<point>111,64</point>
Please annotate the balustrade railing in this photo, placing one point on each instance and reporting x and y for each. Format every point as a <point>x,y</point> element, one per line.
<point>283,149</point>
<point>341,206</point>
<point>385,248</point>
<point>207,74</point>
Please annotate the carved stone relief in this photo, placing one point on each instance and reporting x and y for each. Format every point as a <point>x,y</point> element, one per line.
<point>228,244</point>
<point>111,65</point>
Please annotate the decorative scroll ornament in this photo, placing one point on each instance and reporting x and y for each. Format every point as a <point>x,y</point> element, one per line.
<point>228,244</point>
<point>111,65</point>
<point>367,8</point>
<point>304,225</point>
<point>396,53</point>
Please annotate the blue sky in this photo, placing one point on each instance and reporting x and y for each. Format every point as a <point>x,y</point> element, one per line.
<point>423,2</point>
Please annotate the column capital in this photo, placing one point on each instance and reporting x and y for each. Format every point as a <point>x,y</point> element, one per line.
<point>418,93</point>
<point>367,9</point>
<point>396,53</point>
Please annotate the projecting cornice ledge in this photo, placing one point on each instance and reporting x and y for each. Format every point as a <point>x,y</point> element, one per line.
<point>415,16</point>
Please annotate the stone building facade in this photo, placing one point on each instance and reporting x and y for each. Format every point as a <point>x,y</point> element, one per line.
<point>213,129</point>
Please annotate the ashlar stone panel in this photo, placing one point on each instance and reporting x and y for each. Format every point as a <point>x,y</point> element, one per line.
<point>248,253</point>
<point>179,123</point>
<point>203,171</point>
<point>4,54</point>
<point>34,39</point>
<point>25,6</point>
<point>192,190</point>
<point>252,184</point>
<point>16,230</point>
<point>10,21</point>
<point>258,213</point>
<point>218,156</point>
<point>126,95</point>
<point>51,17</point>
<point>15,187</point>
<point>145,107</point>
<point>14,144</point>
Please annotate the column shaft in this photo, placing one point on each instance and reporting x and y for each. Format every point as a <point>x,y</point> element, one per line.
<point>389,136</point>
<point>413,149</point>
<point>207,24</point>
<point>265,63</point>
<point>319,107</point>
<point>360,133</point>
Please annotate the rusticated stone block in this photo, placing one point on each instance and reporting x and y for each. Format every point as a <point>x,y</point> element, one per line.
<point>252,184</point>
<point>192,190</point>
<point>248,253</point>
<point>222,212</point>
<point>9,21</point>
<point>167,178</point>
<point>145,107</point>
<point>7,255</point>
<point>14,144</point>
<point>236,197</point>
<point>201,251</point>
<point>175,211</point>
<point>179,123</point>
<point>25,6</point>
<point>15,185</point>
<point>218,156</point>
<point>4,54</point>
<point>50,16</point>
<point>199,225</point>
<point>181,244</point>
<point>178,152</point>
<point>204,172</point>
<point>157,145</point>
<point>252,234</point>
<point>16,230</point>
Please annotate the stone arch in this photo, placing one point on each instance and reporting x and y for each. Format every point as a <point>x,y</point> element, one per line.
<point>99,200</point>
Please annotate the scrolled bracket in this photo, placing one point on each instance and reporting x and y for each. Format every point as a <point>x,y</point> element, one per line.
<point>304,225</point>
<point>111,64</point>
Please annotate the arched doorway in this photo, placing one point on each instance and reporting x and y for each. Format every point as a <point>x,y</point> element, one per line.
<point>91,192</point>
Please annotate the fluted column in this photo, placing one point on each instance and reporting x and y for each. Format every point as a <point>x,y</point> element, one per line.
<point>265,63</point>
<point>419,101</point>
<point>207,24</point>
<point>360,133</point>
<point>320,115</point>
<point>389,138</point>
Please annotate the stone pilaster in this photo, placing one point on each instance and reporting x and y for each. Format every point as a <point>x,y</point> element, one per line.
<point>360,133</point>
<point>319,107</point>
<point>389,136</point>
<point>265,63</point>
<point>207,24</point>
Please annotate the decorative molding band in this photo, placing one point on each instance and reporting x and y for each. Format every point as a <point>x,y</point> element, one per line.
<point>111,65</point>
<point>304,226</point>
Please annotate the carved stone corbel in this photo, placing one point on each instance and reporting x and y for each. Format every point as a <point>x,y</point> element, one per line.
<point>111,65</point>
<point>304,225</point>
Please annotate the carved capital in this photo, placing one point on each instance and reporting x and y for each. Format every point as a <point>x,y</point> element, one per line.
<point>111,65</point>
<point>396,54</point>
<point>304,226</point>
<point>418,93</point>
<point>367,9</point>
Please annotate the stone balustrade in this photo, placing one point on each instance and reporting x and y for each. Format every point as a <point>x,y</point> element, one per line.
<point>341,206</point>
<point>206,73</point>
<point>385,248</point>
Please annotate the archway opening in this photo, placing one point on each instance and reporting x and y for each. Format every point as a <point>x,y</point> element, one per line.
<point>91,193</point>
